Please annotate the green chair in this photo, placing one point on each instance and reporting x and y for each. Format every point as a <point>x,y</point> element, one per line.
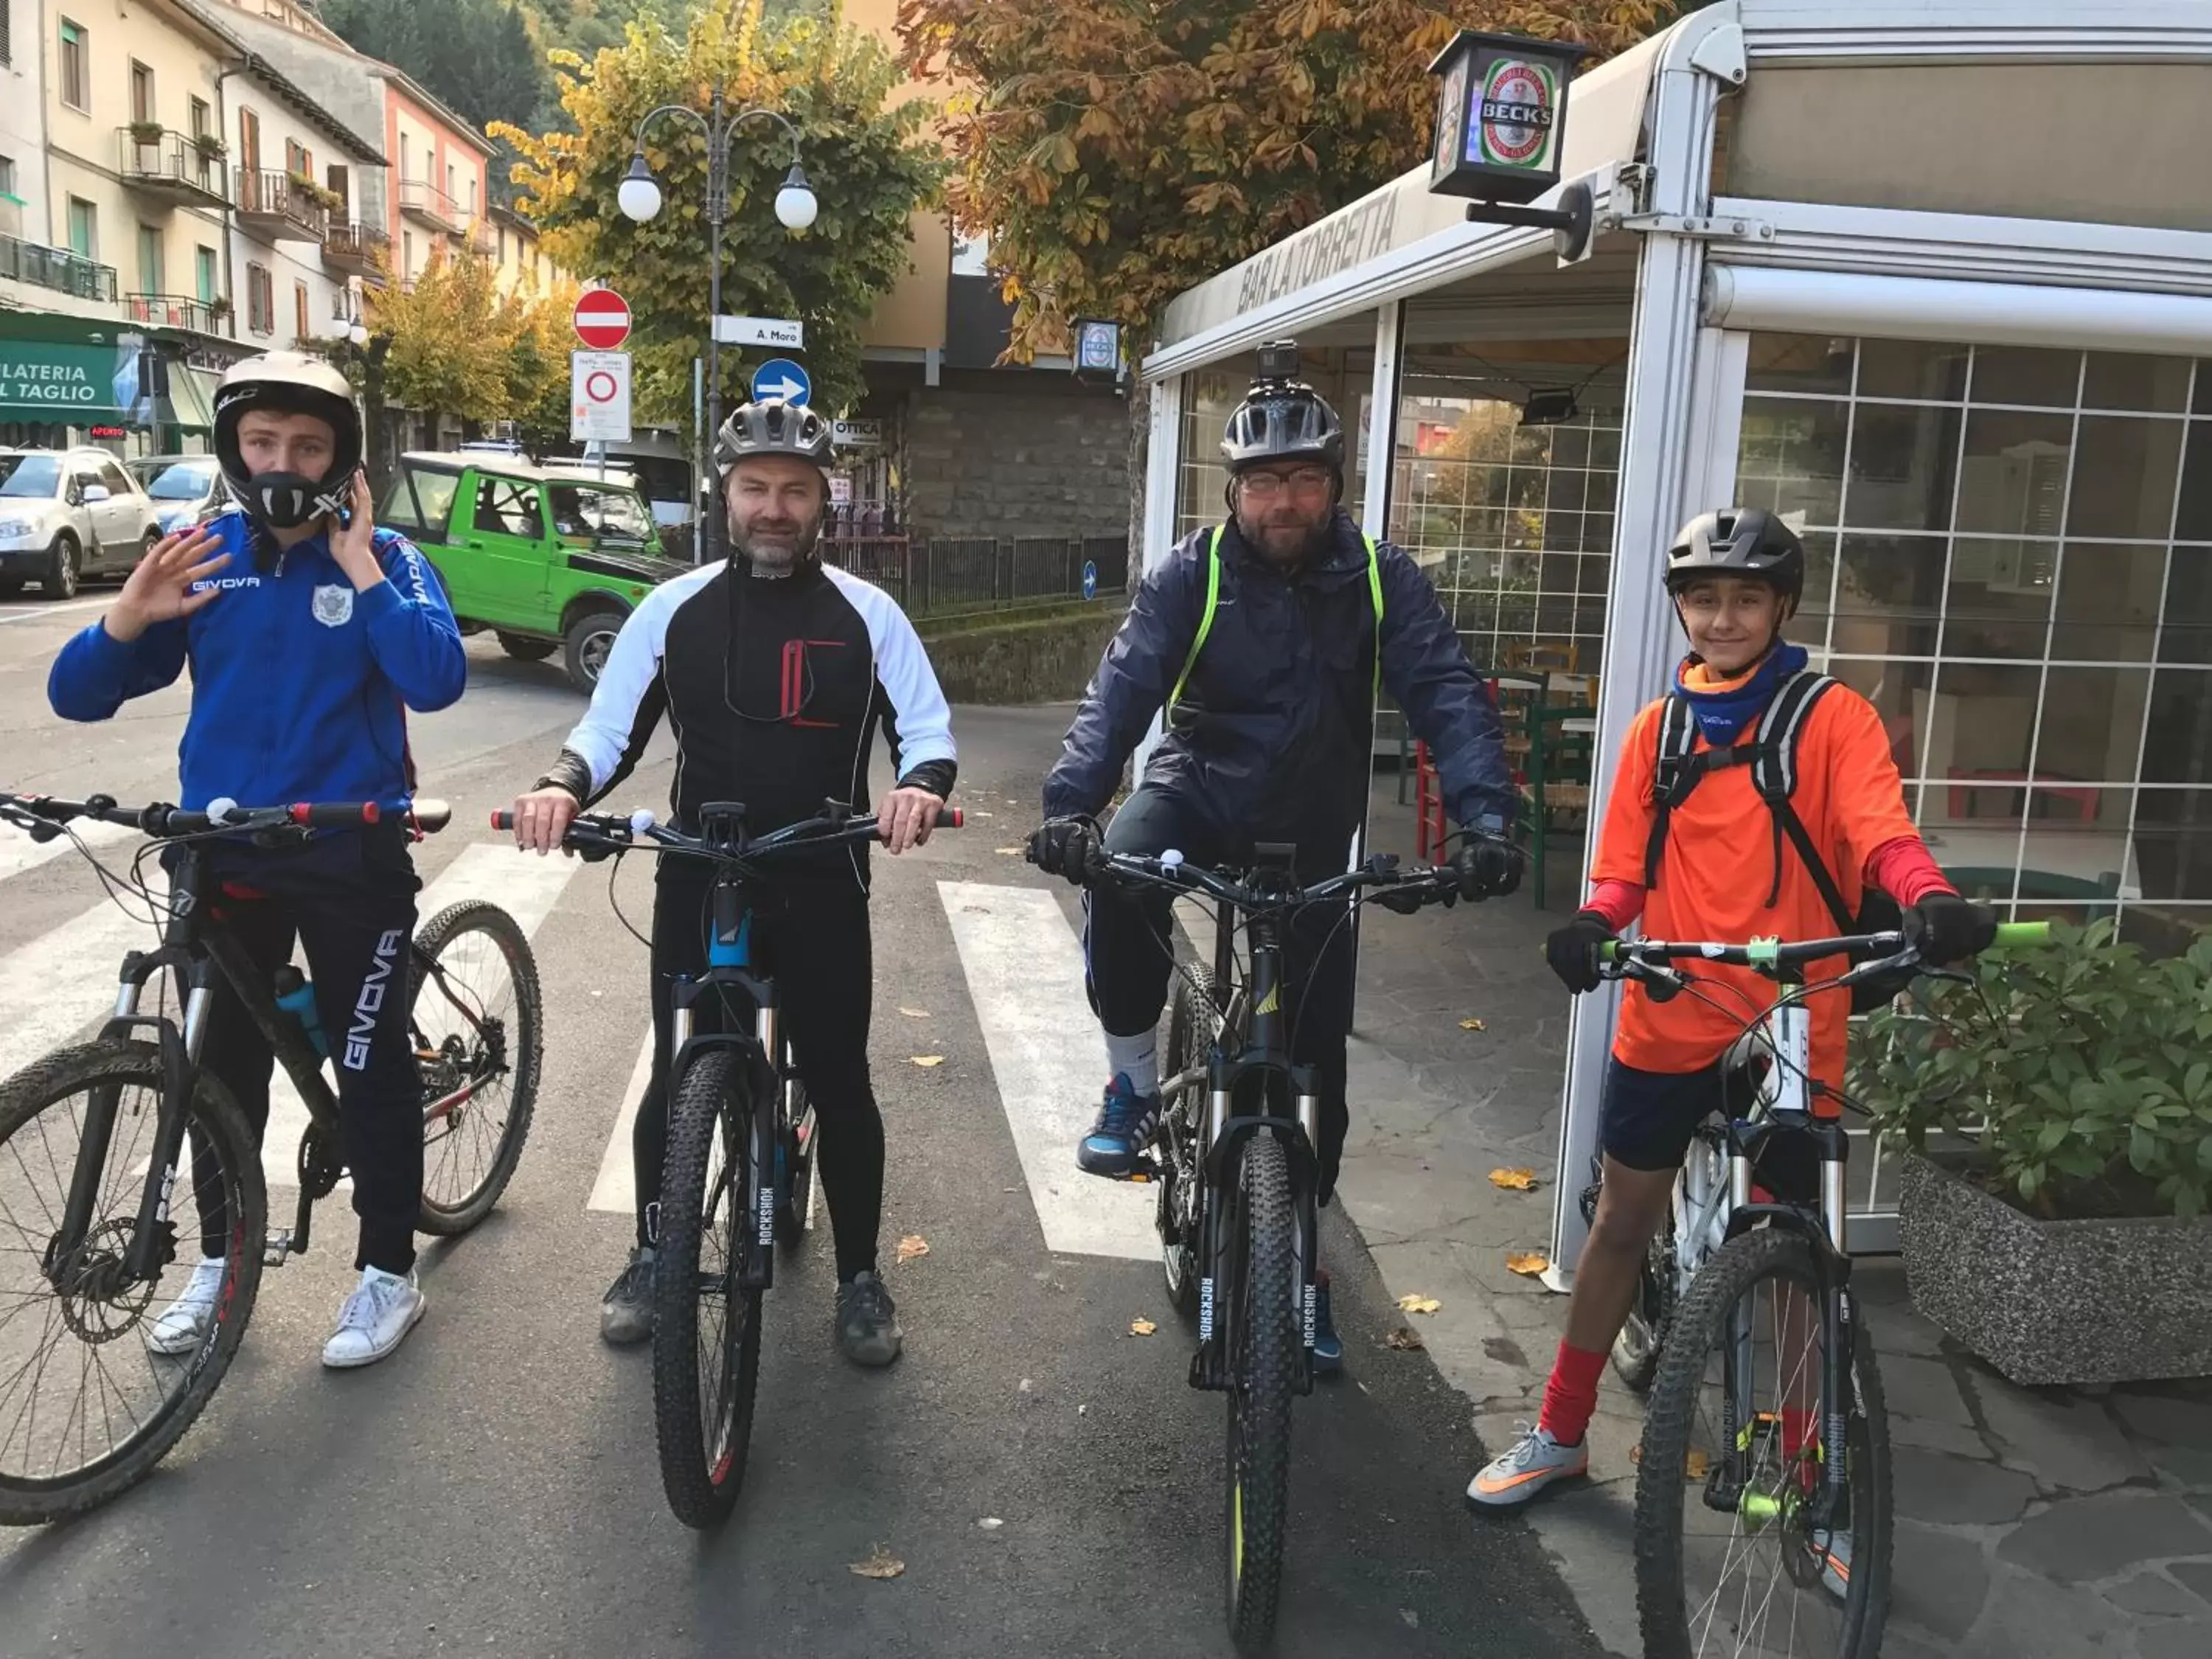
<point>1556,783</point>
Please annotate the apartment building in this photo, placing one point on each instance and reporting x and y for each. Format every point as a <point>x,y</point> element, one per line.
<point>525,267</point>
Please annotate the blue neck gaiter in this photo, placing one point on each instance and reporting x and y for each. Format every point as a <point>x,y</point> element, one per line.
<point>1721,712</point>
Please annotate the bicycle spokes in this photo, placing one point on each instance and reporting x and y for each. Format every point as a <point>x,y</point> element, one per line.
<point>461,1023</point>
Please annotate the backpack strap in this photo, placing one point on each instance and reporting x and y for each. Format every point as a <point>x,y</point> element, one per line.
<point>1775,776</point>
<point>1205,620</point>
<point>1680,769</point>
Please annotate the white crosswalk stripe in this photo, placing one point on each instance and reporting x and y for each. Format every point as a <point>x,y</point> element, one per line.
<point>615,1190</point>
<point>1024,970</point>
<point>58,986</point>
<point>19,853</point>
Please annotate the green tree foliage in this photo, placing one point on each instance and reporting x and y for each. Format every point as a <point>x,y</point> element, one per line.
<point>870,165</point>
<point>1120,154</point>
<point>476,55</point>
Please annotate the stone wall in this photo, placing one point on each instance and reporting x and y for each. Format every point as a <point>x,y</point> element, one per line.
<point>1023,459</point>
<point>1047,658</point>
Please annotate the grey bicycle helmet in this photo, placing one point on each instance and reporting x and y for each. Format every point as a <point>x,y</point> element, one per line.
<point>1738,541</point>
<point>773,427</point>
<point>288,383</point>
<point>1282,418</point>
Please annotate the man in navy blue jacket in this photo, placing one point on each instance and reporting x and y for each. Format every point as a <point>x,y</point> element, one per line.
<point>1265,639</point>
<point>309,633</point>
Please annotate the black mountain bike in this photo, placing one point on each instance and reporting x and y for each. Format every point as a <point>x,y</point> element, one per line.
<point>1237,1174</point>
<point>1763,1504</point>
<point>97,1141</point>
<point>738,1171</point>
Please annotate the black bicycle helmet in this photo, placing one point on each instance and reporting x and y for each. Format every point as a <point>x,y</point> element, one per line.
<point>288,383</point>
<point>773,427</point>
<point>1282,418</point>
<point>1738,541</point>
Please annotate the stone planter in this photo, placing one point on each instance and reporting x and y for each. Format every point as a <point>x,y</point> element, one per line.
<point>2048,1301</point>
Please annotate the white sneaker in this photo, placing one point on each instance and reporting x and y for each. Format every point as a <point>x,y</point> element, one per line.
<point>376,1319</point>
<point>1532,1463</point>
<point>183,1324</point>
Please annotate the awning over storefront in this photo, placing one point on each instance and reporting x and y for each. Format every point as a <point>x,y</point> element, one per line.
<point>190,402</point>
<point>66,380</point>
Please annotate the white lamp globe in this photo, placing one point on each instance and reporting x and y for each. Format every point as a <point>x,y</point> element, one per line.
<point>639,197</point>
<point>795,206</point>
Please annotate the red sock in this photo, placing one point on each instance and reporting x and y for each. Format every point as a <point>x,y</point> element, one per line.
<point>1571,1395</point>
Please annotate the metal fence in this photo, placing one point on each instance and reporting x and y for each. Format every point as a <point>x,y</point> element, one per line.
<point>955,573</point>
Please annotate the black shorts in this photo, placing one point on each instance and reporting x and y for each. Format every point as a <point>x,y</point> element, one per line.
<point>1649,1118</point>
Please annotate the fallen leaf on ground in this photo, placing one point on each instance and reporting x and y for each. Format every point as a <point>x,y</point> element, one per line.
<point>913,1245</point>
<point>881,1565</point>
<point>926,1060</point>
<point>1530,1263</point>
<point>1473,1025</point>
<point>1406,1339</point>
<point>1419,1304</point>
<point>1142,1328</point>
<point>981,813</point>
<point>1514,1180</point>
<point>1007,852</point>
<point>990,1523</point>
<point>915,1013</point>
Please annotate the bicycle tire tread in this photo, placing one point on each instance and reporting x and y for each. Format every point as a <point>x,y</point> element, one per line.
<point>527,1052</point>
<point>1271,1364</point>
<point>69,1071</point>
<point>1718,1285</point>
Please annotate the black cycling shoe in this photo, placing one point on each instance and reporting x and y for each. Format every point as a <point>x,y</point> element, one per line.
<point>867,1322</point>
<point>626,1314</point>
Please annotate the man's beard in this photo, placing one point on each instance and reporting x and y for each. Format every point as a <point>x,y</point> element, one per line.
<point>776,549</point>
<point>1284,540</point>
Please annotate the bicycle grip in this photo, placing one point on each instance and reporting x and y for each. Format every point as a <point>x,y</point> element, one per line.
<point>336,815</point>
<point>2016,935</point>
<point>950,817</point>
<point>502,819</point>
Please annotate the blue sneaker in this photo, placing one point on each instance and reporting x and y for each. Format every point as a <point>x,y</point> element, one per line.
<point>1116,1145</point>
<point>1328,1346</point>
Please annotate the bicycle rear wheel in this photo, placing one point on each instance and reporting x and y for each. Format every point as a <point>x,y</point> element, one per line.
<point>1264,1335</point>
<point>87,1409</point>
<point>705,1334</point>
<point>477,1023</point>
<point>1727,1561</point>
<point>1190,1033</point>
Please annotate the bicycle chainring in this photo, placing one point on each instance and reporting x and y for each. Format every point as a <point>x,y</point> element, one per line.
<point>321,1166</point>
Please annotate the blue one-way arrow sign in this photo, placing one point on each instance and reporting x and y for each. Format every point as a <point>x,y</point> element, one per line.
<point>779,377</point>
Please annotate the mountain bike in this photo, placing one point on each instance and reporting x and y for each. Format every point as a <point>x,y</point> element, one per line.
<point>1763,1501</point>
<point>95,1140</point>
<point>1236,1171</point>
<point>737,1172</point>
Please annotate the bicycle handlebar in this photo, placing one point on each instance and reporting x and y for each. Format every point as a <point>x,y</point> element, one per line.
<point>612,832</point>
<point>1774,953</point>
<point>1176,874</point>
<point>225,816</point>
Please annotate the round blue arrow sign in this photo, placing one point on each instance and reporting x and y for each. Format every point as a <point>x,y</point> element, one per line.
<point>1090,579</point>
<point>779,377</point>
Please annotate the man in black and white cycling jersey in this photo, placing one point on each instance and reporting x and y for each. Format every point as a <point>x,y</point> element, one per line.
<point>774,670</point>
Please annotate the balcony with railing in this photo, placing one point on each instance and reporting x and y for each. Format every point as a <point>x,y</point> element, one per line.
<point>172,166</point>
<point>483,237</point>
<point>56,269</point>
<point>172,311</point>
<point>357,249</point>
<point>274,205</point>
<point>424,202</point>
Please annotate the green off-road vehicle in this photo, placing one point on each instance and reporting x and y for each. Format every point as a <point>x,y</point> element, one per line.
<point>549,559</point>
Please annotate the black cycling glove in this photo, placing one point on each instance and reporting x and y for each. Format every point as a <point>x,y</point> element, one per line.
<point>1572,950</point>
<point>1063,846</point>
<point>1487,867</point>
<point>1945,929</point>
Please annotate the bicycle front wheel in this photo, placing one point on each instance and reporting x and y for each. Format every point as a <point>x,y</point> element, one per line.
<point>705,1334</point>
<point>1732,1556</point>
<point>477,1024</point>
<point>1264,1335</point>
<point>92,1395</point>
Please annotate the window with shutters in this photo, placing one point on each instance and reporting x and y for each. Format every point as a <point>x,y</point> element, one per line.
<point>260,300</point>
<point>300,330</point>
<point>76,65</point>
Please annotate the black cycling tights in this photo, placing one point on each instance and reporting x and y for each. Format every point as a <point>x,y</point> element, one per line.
<point>810,935</point>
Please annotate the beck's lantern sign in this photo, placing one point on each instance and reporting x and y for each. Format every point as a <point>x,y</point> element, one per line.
<point>1501,116</point>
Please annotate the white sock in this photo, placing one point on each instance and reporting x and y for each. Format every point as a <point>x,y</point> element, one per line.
<point>1136,1058</point>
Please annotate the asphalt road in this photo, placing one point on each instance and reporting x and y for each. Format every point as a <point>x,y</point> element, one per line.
<point>493,1489</point>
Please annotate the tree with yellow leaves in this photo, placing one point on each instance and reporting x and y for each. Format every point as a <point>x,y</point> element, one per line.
<point>1118,155</point>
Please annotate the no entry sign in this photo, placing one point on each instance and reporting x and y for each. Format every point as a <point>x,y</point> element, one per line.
<point>601,319</point>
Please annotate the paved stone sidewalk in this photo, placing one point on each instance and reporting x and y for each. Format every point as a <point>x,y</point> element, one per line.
<point>2031,1522</point>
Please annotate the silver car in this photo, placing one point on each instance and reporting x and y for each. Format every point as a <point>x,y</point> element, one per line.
<point>69,516</point>
<point>184,488</point>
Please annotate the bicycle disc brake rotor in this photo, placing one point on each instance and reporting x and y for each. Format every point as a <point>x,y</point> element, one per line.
<point>99,1300</point>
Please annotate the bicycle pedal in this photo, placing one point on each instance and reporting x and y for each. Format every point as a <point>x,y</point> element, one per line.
<point>277,1248</point>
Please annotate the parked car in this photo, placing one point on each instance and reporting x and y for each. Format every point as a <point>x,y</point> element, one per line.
<point>68,516</point>
<point>184,488</point>
<point>547,559</point>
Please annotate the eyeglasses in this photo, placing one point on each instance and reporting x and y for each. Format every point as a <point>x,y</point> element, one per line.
<point>1306,481</point>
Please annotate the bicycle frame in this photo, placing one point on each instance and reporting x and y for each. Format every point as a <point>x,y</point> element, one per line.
<point>197,945</point>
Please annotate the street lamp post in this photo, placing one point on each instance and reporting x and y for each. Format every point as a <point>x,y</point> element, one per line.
<point>638,197</point>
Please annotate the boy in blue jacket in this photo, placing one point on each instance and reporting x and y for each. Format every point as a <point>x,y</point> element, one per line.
<point>309,633</point>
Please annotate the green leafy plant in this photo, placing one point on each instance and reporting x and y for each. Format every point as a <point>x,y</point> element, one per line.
<point>2080,1076</point>
<point>210,145</point>
<point>146,132</point>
